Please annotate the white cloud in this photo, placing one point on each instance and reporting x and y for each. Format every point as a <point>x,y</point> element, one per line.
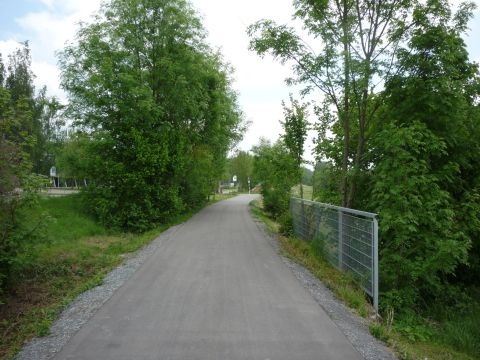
<point>48,3</point>
<point>48,75</point>
<point>7,47</point>
<point>47,32</point>
<point>260,82</point>
<point>50,29</point>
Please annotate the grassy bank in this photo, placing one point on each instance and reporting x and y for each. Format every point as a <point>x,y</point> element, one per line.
<point>72,254</point>
<point>307,192</point>
<point>456,337</point>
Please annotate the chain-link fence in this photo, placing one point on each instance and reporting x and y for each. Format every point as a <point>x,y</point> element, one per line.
<point>347,238</point>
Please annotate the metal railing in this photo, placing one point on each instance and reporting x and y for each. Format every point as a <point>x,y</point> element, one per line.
<point>347,238</point>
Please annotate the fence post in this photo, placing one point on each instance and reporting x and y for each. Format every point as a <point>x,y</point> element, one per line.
<point>375,263</point>
<point>340,239</point>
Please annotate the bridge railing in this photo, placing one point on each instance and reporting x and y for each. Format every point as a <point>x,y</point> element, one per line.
<point>347,238</point>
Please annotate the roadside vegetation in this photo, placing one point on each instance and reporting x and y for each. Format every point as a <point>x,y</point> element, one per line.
<point>150,119</point>
<point>69,254</point>
<point>152,116</point>
<point>395,108</point>
<point>454,338</point>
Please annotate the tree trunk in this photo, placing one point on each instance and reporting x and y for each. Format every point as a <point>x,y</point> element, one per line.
<point>346,109</point>
<point>362,119</point>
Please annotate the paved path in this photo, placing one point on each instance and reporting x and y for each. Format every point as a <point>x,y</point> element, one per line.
<point>216,289</point>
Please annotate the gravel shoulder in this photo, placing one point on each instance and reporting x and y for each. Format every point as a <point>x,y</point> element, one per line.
<point>87,305</point>
<point>354,327</point>
<point>75,315</point>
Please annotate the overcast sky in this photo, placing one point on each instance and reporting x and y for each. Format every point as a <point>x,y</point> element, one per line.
<point>48,24</point>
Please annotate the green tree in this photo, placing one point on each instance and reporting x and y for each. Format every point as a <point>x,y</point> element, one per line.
<point>273,167</point>
<point>18,187</point>
<point>155,99</point>
<point>241,165</point>
<point>295,125</point>
<point>72,158</point>
<point>422,183</point>
<point>43,124</point>
<point>355,41</point>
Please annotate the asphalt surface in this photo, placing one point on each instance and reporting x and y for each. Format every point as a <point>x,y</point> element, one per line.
<point>216,289</point>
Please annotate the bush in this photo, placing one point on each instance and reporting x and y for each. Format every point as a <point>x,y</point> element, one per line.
<point>286,223</point>
<point>275,169</point>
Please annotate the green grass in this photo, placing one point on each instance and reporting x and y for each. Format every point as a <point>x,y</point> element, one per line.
<point>307,191</point>
<point>73,255</point>
<point>462,331</point>
<point>458,337</point>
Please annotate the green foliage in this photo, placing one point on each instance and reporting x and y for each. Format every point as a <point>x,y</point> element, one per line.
<point>73,255</point>
<point>422,185</point>
<point>379,331</point>
<point>158,107</point>
<point>416,251</point>
<point>326,180</point>
<point>295,126</point>
<point>286,224</point>
<point>72,159</point>
<point>461,330</point>
<point>18,188</point>
<point>241,165</point>
<point>39,128</point>
<point>273,168</point>
<point>347,52</point>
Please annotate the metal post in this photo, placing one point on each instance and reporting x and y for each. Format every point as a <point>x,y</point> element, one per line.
<point>375,264</point>
<point>340,239</point>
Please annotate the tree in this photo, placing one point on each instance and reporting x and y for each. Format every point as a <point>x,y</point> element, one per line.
<point>41,127</point>
<point>295,125</point>
<point>158,105</point>
<point>241,165</point>
<point>72,158</point>
<point>356,41</point>
<point>272,168</point>
<point>424,150</point>
<point>18,187</point>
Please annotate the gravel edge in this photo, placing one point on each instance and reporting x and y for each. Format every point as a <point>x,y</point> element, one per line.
<point>354,327</point>
<point>77,313</point>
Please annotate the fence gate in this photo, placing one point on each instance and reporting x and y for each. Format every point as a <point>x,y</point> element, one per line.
<point>348,239</point>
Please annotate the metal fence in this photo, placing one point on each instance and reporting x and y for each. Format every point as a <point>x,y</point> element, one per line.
<point>347,238</point>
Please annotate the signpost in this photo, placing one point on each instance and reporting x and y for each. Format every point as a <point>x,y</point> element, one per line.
<point>53,175</point>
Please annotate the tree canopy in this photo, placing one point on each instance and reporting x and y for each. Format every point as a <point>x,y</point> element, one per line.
<point>157,101</point>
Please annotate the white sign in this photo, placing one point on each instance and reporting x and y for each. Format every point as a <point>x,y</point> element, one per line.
<point>234,178</point>
<point>53,171</point>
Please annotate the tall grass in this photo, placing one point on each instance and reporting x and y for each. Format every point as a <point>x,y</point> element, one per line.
<point>462,331</point>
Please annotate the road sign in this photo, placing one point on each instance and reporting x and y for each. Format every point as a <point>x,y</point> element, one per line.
<point>53,171</point>
<point>234,178</point>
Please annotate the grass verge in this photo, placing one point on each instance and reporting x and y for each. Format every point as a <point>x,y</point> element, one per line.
<point>73,255</point>
<point>411,339</point>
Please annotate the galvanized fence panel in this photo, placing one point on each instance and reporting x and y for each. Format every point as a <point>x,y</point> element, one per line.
<point>347,238</point>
